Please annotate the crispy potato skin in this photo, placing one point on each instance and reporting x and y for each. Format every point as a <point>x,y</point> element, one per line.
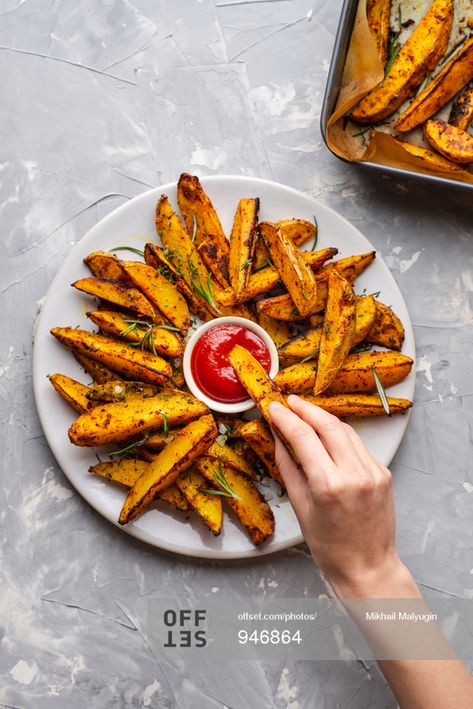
<point>416,58</point>
<point>251,508</point>
<point>453,143</point>
<point>448,82</point>
<point>378,14</point>
<point>355,375</point>
<point>227,455</point>
<point>278,330</point>
<point>210,237</point>
<point>295,273</point>
<point>127,360</point>
<point>127,471</point>
<point>338,330</point>
<point>208,507</point>
<point>298,230</point>
<point>160,292</point>
<point>128,420</point>
<point>119,390</point>
<point>72,391</point>
<point>105,265</point>
<point>358,405</point>
<point>461,114</point>
<point>99,373</point>
<point>258,436</point>
<point>388,330</point>
<point>190,443</point>
<point>118,293</point>
<point>429,156</point>
<point>242,243</point>
<point>114,323</point>
<point>365,317</point>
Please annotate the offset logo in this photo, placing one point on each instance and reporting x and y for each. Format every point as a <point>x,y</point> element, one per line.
<point>184,628</point>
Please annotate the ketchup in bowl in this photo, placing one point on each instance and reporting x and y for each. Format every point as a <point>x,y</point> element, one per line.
<point>210,366</point>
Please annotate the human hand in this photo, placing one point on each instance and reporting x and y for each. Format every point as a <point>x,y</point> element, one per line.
<point>343,500</point>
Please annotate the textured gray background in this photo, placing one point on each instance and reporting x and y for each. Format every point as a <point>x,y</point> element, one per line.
<point>101,100</point>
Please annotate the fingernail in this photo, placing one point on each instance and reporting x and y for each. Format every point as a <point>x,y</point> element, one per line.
<point>293,397</point>
<point>275,406</point>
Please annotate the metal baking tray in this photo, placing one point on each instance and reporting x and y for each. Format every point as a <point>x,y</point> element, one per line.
<point>332,88</point>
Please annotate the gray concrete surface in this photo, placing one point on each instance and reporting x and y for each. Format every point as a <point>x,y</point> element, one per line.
<point>99,102</point>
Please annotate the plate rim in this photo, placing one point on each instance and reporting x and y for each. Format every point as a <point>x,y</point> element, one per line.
<point>136,532</point>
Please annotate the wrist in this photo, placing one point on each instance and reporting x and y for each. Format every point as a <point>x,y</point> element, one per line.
<point>390,580</point>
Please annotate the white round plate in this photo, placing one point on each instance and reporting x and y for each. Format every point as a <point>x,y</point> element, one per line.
<point>133,224</point>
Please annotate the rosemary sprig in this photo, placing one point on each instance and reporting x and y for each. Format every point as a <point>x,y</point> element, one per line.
<point>309,356</point>
<point>316,235</point>
<point>125,452</point>
<point>147,339</point>
<point>204,290</point>
<point>393,49</point>
<point>362,131</point>
<point>221,479</point>
<point>129,248</point>
<point>165,423</point>
<point>194,227</point>
<point>246,264</point>
<point>381,391</point>
<point>267,264</point>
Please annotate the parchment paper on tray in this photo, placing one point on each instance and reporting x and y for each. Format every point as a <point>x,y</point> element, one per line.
<point>362,72</point>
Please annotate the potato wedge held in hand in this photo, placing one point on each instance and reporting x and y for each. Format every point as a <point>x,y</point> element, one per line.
<point>208,506</point>
<point>453,143</point>
<point>378,13</point>
<point>242,243</point>
<point>416,58</point>
<point>202,220</point>
<point>461,114</point>
<point>254,379</point>
<point>295,273</point>
<point>449,81</point>
<point>245,499</point>
<point>258,436</point>
<point>127,420</point>
<point>72,391</point>
<point>129,361</point>
<point>338,330</point>
<point>118,293</point>
<point>127,471</point>
<point>160,292</point>
<point>358,405</point>
<point>388,330</point>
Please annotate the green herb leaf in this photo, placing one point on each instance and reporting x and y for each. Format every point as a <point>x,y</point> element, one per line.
<point>381,391</point>
<point>310,356</point>
<point>362,131</point>
<point>221,479</point>
<point>165,423</point>
<point>129,248</point>
<point>127,450</point>
<point>204,290</point>
<point>316,235</point>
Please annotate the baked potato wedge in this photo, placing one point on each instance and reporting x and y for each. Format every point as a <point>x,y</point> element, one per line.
<point>355,374</point>
<point>258,436</point>
<point>461,113</point>
<point>129,361</point>
<point>208,507</point>
<point>338,330</point>
<point>278,330</point>
<point>298,230</point>
<point>72,391</point>
<point>127,471</point>
<point>242,243</point>
<point>160,292</point>
<point>358,405</point>
<point>429,156</point>
<point>154,338</point>
<point>246,500</point>
<point>295,273</point>
<point>453,143</point>
<point>449,81</point>
<point>103,264</point>
<point>123,421</point>
<point>378,13</point>
<point>227,455</point>
<point>99,373</point>
<point>388,330</point>
<point>179,454</point>
<point>202,220</point>
<point>116,292</point>
<point>119,390</point>
<point>417,57</point>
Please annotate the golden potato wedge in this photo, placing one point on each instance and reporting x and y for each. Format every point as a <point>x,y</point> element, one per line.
<point>118,293</point>
<point>296,275</point>
<point>201,219</point>
<point>156,257</point>
<point>388,330</point>
<point>278,330</point>
<point>365,317</point>
<point>127,420</point>
<point>355,374</point>
<point>129,361</point>
<point>227,455</point>
<point>160,292</point>
<point>119,390</point>
<point>429,156</point>
<point>246,501</point>
<point>99,373</point>
<point>453,143</point>
<point>103,264</point>
<point>72,391</point>
<point>449,81</point>
<point>242,243</point>
<point>208,506</point>
<point>358,405</point>
<point>298,230</point>
<point>461,113</point>
<point>127,471</point>
<point>155,338</point>
<point>190,443</point>
<point>258,436</point>
<point>378,13</point>
<point>338,330</point>
<point>416,58</point>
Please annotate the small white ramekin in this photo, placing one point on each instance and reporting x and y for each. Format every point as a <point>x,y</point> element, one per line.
<point>186,363</point>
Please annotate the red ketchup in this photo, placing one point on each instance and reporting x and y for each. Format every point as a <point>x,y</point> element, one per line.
<point>210,366</point>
